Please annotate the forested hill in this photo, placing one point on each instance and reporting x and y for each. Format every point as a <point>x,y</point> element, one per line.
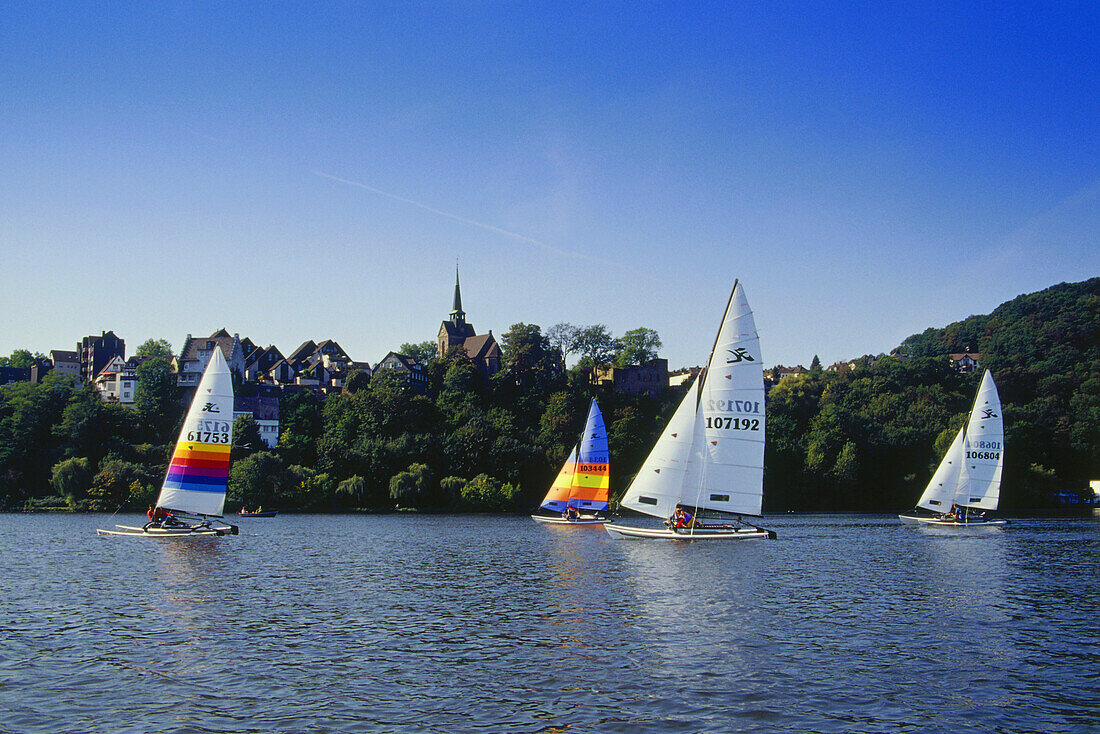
<point>870,438</point>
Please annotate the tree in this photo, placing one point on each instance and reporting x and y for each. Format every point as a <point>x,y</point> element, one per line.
<point>637,346</point>
<point>119,483</point>
<point>20,359</point>
<point>424,352</point>
<point>563,337</point>
<point>486,493</point>
<point>815,365</point>
<point>71,479</point>
<point>411,488</point>
<point>596,344</point>
<point>154,348</point>
<point>352,490</point>
<point>357,380</point>
<point>247,438</point>
<point>156,399</point>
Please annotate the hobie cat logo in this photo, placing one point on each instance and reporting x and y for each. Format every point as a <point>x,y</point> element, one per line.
<point>736,355</point>
<point>210,408</point>
<point>988,413</point>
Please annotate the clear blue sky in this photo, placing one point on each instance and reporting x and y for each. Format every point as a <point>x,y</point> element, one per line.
<point>296,171</point>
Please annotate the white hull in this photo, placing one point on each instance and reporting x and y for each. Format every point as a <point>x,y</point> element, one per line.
<point>944,522</point>
<point>551,520</point>
<point>184,532</point>
<point>634,533</point>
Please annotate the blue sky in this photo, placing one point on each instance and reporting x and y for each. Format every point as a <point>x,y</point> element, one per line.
<point>294,172</point>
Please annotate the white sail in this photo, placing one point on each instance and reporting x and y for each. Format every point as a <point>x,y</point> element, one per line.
<point>980,477</point>
<point>658,485</point>
<point>726,468</point>
<point>940,492</point>
<point>197,477</point>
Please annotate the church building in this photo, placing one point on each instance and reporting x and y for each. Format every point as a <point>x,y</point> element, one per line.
<point>482,350</point>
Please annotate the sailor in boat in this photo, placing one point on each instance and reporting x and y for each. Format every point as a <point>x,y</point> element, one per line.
<point>681,519</point>
<point>571,513</point>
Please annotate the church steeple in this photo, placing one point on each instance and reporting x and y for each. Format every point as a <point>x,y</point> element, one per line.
<point>458,316</point>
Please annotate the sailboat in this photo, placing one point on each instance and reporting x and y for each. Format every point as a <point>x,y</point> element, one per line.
<point>710,458</point>
<point>583,482</point>
<point>192,496</point>
<point>967,483</point>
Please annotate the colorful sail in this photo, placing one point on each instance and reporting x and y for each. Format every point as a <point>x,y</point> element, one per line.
<point>199,472</point>
<point>592,480</point>
<point>558,496</point>
<point>584,479</point>
<point>980,474</point>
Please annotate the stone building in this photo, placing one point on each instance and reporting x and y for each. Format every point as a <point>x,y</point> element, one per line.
<point>455,333</point>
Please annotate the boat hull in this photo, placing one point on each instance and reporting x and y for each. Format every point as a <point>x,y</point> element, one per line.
<point>551,520</point>
<point>184,532</point>
<point>265,513</point>
<point>631,532</point>
<point>945,522</point>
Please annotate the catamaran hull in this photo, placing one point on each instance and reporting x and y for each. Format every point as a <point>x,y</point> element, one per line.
<point>635,533</point>
<point>186,532</point>
<point>941,523</point>
<point>933,521</point>
<point>549,520</point>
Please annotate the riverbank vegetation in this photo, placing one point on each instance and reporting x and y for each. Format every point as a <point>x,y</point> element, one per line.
<point>863,437</point>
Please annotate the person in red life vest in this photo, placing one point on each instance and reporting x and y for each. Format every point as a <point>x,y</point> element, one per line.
<point>681,518</point>
<point>149,513</point>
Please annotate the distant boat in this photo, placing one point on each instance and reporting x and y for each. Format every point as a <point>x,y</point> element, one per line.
<point>259,513</point>
<point>709,460</point>
<point>969,475</point>
<point>193,494</point>
<point>578,495</point>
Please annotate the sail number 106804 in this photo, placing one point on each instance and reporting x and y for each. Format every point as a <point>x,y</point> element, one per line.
<point>734,424</point>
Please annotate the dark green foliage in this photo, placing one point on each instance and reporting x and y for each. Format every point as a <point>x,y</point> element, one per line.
<point>246,437</point>
<point>154,348</point>
<point>867,438</point>
<point>424,352</point>
<point>870,438</point>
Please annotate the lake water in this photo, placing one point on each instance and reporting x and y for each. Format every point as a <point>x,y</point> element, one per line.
<point>490,624</point>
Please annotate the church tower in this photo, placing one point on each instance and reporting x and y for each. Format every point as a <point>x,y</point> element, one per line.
<point>454,332</point>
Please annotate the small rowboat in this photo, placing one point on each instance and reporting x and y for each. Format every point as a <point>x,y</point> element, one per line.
<point>260,513</point>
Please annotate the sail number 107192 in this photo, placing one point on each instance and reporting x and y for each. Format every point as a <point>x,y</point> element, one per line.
<point>734,424</point>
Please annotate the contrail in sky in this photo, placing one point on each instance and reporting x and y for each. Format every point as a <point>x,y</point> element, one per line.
<point>464,220</point>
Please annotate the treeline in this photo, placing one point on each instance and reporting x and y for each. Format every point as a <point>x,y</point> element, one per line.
<point>470,444</point>
<point>866,438</point>
<point>870,438</point>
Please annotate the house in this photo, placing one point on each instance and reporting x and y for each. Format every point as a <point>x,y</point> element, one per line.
<point>780,372</point>
<point>94,352</point>
<point>406,366</point>
<point>258,363</point>
<point>11,375</point>
<point>455,333</point>
<point>195,354</point>
<point>966,361</point>
<point>650,378</point>
<point>65,362</point>
<point>117,382</point>
<point>265,411</point>
<point>683,375</point>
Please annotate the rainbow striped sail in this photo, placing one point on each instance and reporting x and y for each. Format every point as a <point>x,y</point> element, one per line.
<point>584,479</point>
<point>199,471</point>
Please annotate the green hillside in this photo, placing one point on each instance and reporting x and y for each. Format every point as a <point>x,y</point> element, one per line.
<point>870,437</point>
